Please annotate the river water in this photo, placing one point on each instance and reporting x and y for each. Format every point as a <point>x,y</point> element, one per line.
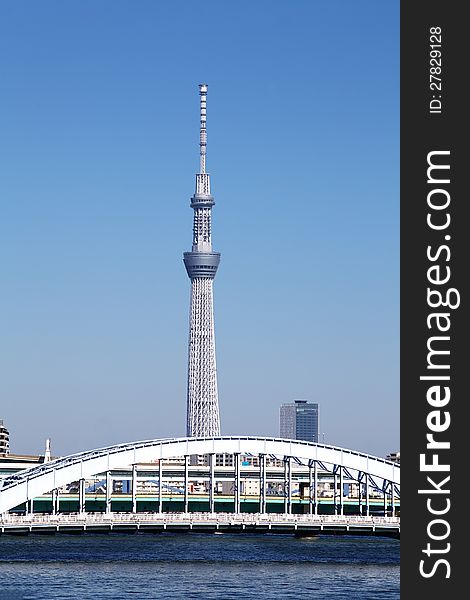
<point>198,566</point>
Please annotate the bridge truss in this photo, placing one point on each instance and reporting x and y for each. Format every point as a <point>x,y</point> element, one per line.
<point>292,457</point>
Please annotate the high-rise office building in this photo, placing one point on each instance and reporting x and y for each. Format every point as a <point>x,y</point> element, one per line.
<point>201,265</point>
<point>299,420</point>
<point>4,439</point>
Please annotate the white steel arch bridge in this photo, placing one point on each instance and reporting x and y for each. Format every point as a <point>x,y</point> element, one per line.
<point>368,471</point>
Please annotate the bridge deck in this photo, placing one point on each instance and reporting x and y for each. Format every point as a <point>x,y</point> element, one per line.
<point>301,525</point>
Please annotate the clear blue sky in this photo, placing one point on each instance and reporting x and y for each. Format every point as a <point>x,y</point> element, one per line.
<point>98,151</point>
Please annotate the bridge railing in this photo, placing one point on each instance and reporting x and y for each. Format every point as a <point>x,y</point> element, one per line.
<point>231,518</point>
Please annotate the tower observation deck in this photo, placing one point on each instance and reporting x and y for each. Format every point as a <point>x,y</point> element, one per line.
<point>201,265</point>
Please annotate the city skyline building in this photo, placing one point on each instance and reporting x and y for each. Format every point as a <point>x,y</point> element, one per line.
<point>299,420</point>
<point>202,419</point>
<point>4,439</point>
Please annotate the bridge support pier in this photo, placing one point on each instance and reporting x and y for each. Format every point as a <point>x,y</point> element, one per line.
<point>335,489</point>
<point>160,486</point>
<point>108,492</point>
<point>134,488</point>
<point>367,495</point>
<point>262,483</point>
<point>360,477</point>
<point>287,485</point>
<point>310,488</point>
<point>211,482</point>
<point>29,506</point>
<point>341,491</point>
<point>186,484</point>
<point>55,501</point>
<point>81,496</point>
<point>236,482</point>
<point>315,487</point>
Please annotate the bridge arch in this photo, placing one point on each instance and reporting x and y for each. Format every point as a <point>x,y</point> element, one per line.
<point>21,487</point>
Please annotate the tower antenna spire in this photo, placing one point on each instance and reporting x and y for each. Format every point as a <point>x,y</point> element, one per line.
<point>202,131</point>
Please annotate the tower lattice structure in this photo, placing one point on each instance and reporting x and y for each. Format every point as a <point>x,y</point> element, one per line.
<point>201,264</point>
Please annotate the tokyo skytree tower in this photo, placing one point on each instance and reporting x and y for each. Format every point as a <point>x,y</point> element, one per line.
<point>201,264</point>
